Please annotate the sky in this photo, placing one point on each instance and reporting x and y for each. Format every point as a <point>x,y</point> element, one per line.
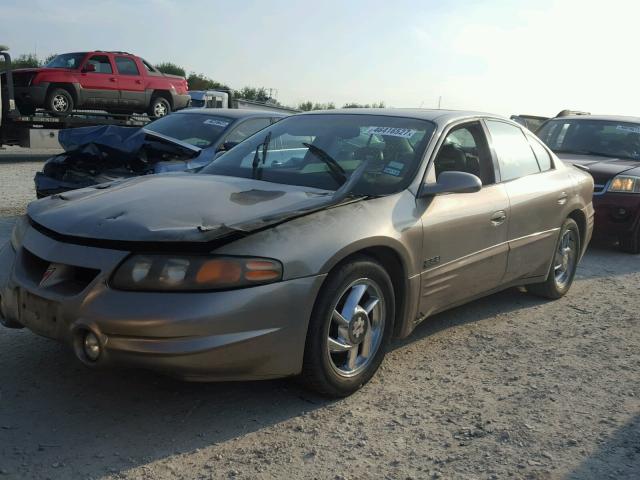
<point>500,56</point>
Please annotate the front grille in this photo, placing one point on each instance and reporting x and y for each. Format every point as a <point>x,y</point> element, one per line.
<point>22,79</point>
<point>74,281</point>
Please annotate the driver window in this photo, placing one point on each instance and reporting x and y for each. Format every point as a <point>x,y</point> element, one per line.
<point>465,149</point>
<point>101,64</point>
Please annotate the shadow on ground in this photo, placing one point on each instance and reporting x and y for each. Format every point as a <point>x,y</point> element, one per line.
<point>617,457</point>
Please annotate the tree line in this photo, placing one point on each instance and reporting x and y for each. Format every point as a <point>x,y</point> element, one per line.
<point>199,81</point>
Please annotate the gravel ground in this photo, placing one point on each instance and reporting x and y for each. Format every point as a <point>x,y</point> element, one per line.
<point>510,386</point>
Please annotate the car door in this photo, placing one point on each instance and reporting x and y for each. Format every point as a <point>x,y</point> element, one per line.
<point>537,194</point>
<point>465,247</point>
<point>99,82</point>
<point>132,92</point>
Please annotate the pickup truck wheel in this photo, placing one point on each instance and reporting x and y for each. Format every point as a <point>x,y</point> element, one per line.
<point>631,242</point>
<point>563,264</point>
<point>59,102</point>
<point>159,107</point>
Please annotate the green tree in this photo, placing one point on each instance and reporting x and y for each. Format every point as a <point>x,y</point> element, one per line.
<point>171,69</point>
<point>197,81</point>
<point>305,106</point>
<point>29,60</point>
<point>365,105</point>
<point>256,94</point>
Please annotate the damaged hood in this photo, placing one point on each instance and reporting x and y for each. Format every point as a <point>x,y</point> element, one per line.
<point>175,208</point>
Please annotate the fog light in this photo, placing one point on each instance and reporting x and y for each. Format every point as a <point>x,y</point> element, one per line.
<point>91,346</point>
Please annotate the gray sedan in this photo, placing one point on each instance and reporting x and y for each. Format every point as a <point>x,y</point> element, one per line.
<point>303,250</point>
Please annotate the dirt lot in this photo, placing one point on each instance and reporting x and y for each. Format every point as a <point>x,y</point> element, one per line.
<point>506,387</point>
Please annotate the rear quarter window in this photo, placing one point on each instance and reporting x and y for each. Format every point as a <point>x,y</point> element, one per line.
<point>515,156</point>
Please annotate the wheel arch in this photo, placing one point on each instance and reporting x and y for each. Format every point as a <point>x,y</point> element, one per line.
<point>581,219</point>
<point>164,94</point>
<point>69,87</point>
<point>396,262</point>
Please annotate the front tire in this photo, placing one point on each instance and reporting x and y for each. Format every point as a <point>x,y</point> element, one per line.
<point>59,102</point>
<point>563,265</point>
<point>159,107</point>
<point>350,328</point>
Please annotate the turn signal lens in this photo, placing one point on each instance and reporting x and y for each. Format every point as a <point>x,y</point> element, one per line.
<point>184,273</point>
<point>219,271</point>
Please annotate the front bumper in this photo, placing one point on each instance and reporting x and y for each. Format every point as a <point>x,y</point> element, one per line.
<point>251,333</point>
<point>617,214</point>
<point>33,96</point>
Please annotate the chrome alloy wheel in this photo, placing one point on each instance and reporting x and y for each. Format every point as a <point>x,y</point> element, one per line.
<point>60,103</point>
<point>160,109</point>
<point>565,258</point>
<point>356,327</point>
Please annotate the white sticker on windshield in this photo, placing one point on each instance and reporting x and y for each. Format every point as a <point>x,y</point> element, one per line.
<point>217,123</point>
<point>390,131</point>
<point>628,129</point>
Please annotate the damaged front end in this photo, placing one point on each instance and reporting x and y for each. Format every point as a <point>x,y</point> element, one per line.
<point>95,155</point>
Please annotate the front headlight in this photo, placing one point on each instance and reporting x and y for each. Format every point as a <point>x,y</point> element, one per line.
<point>625,184</point>
<point>19,229</point>
<point>193,273</point>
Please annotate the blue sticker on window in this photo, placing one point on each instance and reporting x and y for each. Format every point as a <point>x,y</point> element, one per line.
<point>394,168</point>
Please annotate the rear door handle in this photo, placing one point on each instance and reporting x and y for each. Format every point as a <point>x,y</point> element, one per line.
<point>112,79</point>
<point>498,218</point>
<point>562,199</point>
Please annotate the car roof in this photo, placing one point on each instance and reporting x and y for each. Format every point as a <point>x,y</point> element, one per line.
<point>230,112</point>
<point>435,115</point>
<point>608,118</point>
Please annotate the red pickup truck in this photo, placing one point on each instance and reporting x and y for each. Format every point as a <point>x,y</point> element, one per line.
<point>117,82</point>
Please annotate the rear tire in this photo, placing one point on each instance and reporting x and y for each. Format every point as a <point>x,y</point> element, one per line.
<point>631,242</point>
<point>59,102</point>
<point>344,350</point>
<point>159,107</point>
<point>563,265</point>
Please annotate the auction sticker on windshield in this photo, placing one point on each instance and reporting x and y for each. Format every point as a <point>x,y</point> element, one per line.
<point>217,123</point>
<point>625,128</point>
<point>390,131</point>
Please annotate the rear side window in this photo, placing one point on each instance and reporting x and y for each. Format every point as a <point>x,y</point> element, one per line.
<point>543,157</point>
<point>126,66</point>
<point>515,156</point>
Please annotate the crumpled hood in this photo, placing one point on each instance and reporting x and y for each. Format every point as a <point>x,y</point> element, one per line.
<point>601,168</point>
<point>173,208</point>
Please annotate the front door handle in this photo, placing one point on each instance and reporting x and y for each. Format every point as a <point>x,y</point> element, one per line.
<point>562,199</point>
<point>498,218</point>
<point>112,79</point>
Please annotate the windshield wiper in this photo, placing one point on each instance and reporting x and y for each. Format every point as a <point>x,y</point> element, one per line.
<point>335,170</point>
<point>256,156</point>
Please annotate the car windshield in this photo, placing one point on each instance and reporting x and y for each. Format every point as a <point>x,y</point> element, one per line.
<point>66,60</point>
<point>323,150</point>
<point>195,129</point>
<point>592,137</point>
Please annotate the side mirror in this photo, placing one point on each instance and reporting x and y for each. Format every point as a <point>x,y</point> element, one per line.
<point>89,67</point>
<point>452,182</point>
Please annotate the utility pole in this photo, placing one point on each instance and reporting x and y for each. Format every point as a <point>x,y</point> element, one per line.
<point>439,101</point>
